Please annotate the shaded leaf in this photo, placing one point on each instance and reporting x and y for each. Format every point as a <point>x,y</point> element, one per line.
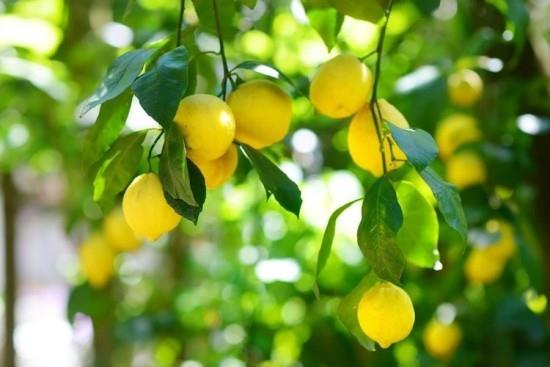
<point>326,243</point>
<point>448,199</point>
<point>327,22</point>
<point>120,75</point>
<point>419,146</point>
<point>381,219</point>
<point>275,181</point>
<point>368,10</point>
<point>207,17</point>
<point>191,212</point>
<point>160,89</point>
<point>96,303</point>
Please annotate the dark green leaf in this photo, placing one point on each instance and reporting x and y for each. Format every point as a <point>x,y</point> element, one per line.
<point>173,167</point>
<point>275,181</point>
<point>347,311</point>
<point>199,193</point>
<point>326,243</point>
<point>327,22</point>
<point>109,124</point>
<point>419,146</point>
<point>381,219</point>
<point>121,74</point>
<point>369,10</point>
<point>118,166</point>
<point>160,89</point>
<point>448,199</point>
<point>207,18</point>
<point>418,236</point>
<point>96,303</point>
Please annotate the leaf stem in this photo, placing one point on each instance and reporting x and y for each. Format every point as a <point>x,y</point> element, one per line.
<point>150,154</point>
<point>226,72</point>
<point>374,108</point>
<point>180,23</point>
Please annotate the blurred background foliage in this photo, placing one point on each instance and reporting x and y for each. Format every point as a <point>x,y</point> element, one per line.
<point>236,289</point>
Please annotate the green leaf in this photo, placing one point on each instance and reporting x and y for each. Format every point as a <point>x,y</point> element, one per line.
<point>326,243</point>
<point>275,181</point>
<point>207,17</point>
<point>120,75</point>
<point>118,167</point>
<point>419,146</point>
<point>109,124</point>
<point>251,4</point>
<point>198,187</point>
<point>160,89</point>
<point>327,22</point>
<point>368,10</point>
<point>347,311</point>
<point>267,70</point>
<point>448,199</point>
<point>96,303</point>
<point>419,233</point>
<point>173,167</point>
<point>381,219</point>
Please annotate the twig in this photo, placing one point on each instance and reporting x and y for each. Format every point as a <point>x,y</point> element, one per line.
<point>180,23</point>
<point>226,72</point>
<point>149,156</point>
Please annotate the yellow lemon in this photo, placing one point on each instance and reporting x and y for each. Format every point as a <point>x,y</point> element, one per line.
<point>341,86</point>
<point>386,314</point>
<point>218,171</point>
<point>145,208</point>
<point>207,125</point>
<point>455,130</point>
<point>465,87</point>
<point>363,144</point>
<point>482,267</point>
<point>117,232</point>
<point>466,169</point>
<point>262,111</point>
<point>505,247</point>
<point>96,260</point>
<point>441,340</point>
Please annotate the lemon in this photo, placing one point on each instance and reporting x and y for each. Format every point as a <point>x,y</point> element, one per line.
<point>465,87</point>
<point>481,267</point>
<point>505,247</point>
<point>207,125</point>
<point>466,169</point>
<point>385,314</point>
<point>262,111</point>
<point>454,131</point>
<point>117,232</point>
<point>441,340</point>
<point>363,144</point>
<point>145,208</point>
<point>218,171</point>
<point>96,260</point>
<point>341,86</point>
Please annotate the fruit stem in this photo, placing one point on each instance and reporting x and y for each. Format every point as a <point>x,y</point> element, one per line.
<point>374,108</point>
<point>226,72</point>
<point>180,23</point>
<point>149,156</point>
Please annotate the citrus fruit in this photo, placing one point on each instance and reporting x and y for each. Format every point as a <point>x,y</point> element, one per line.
<point>454,131</point>
<point>466,169</point>
<point>385,314</point>
<point>481,267</point>
<point>441,340</point>
<point>207,125</point>
<point>465,87</point>
<point>341,86</point>
<point>363,144</point>
<point>117,232</point>
<point>145,208</point>
<point>96,260</point>
<point>218,171</point>
<point>505,247</point>
<point>262,111</point>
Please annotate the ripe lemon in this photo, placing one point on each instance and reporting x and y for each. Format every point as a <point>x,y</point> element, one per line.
<point>262,111</point>
<point>455,130</point>
<point>505,247</point>
<point>465,87</point>
<point>482,267</point>
<point>117,232</point>
<point>96,260</point>
<point>145,208</point>
<point>466,169</point>
<point>218,171</point>
<point>441,340</point>
<point>363,144</point>
<point>207,125</point>
<point>385,314</point>
<point>341,86</point>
